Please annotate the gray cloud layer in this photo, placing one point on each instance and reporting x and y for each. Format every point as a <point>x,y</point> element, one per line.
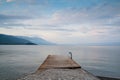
<point>8,17</point>
<point>96,23</point>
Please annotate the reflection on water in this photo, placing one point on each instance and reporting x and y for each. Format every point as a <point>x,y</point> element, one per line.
<point>16,61</point>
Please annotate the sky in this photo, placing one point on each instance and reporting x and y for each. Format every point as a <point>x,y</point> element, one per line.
<point>62,21</point>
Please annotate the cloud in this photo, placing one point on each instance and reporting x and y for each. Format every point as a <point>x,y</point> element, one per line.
<point>77,19</point>
<point>29,2</point>
<point>87,24</point>
<point>96,15</point>
<point>7,17</point>
<point>10,21</point>
<point>9,0</point>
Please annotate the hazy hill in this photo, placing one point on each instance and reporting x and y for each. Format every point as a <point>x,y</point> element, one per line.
<point>13,40</point>
<point>22,40</point>
<point>37,40</point>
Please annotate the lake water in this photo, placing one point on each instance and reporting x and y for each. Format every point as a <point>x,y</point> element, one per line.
<point>17,61</point>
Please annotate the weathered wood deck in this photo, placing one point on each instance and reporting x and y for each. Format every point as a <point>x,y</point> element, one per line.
<point>59,62</point>
<point>57,67</point>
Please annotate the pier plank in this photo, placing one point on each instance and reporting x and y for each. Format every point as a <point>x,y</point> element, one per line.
<point>59,62</point>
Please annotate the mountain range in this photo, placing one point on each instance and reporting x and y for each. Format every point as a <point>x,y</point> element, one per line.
<point>25,40</point>
<point>22,40</point>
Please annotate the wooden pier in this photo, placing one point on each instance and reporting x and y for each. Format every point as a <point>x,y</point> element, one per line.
<point>56,67</point>
<point>58,62</point>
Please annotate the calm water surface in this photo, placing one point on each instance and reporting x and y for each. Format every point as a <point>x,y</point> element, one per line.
<point>17,61</point>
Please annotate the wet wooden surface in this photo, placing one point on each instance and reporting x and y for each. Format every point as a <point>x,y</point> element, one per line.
<point>59,62</point>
